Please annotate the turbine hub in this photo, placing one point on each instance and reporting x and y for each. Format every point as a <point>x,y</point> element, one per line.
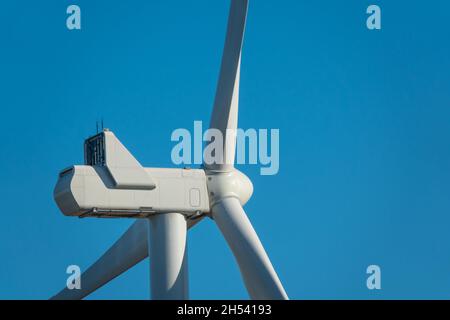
<point>233,184</point>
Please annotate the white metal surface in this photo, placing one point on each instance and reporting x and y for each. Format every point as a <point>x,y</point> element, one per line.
<point>257,271</point>
<point>223,185</point>
<point>125,170</point>
<point>83,188</point>
<point>168,252</point>
<point>225,113</point>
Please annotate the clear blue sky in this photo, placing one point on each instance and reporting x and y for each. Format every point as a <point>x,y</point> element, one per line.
<point>364,119</point>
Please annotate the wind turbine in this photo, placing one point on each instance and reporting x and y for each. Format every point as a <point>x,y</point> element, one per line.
<point>168,202</point>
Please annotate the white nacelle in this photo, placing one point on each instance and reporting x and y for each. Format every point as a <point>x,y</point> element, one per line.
<point>114,184</point>
<point>90,191</point>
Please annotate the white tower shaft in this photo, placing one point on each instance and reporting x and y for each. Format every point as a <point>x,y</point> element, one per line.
<point>168,252</point>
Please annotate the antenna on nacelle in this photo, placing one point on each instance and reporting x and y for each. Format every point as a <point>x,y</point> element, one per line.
<point>97,124</point>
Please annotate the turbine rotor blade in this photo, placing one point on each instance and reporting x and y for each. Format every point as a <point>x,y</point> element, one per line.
<point>128,251</point>
<point>256,269</point>
<point>225,113</point>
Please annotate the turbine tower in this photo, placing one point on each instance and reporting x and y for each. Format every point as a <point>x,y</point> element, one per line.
<point>168,202</point>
